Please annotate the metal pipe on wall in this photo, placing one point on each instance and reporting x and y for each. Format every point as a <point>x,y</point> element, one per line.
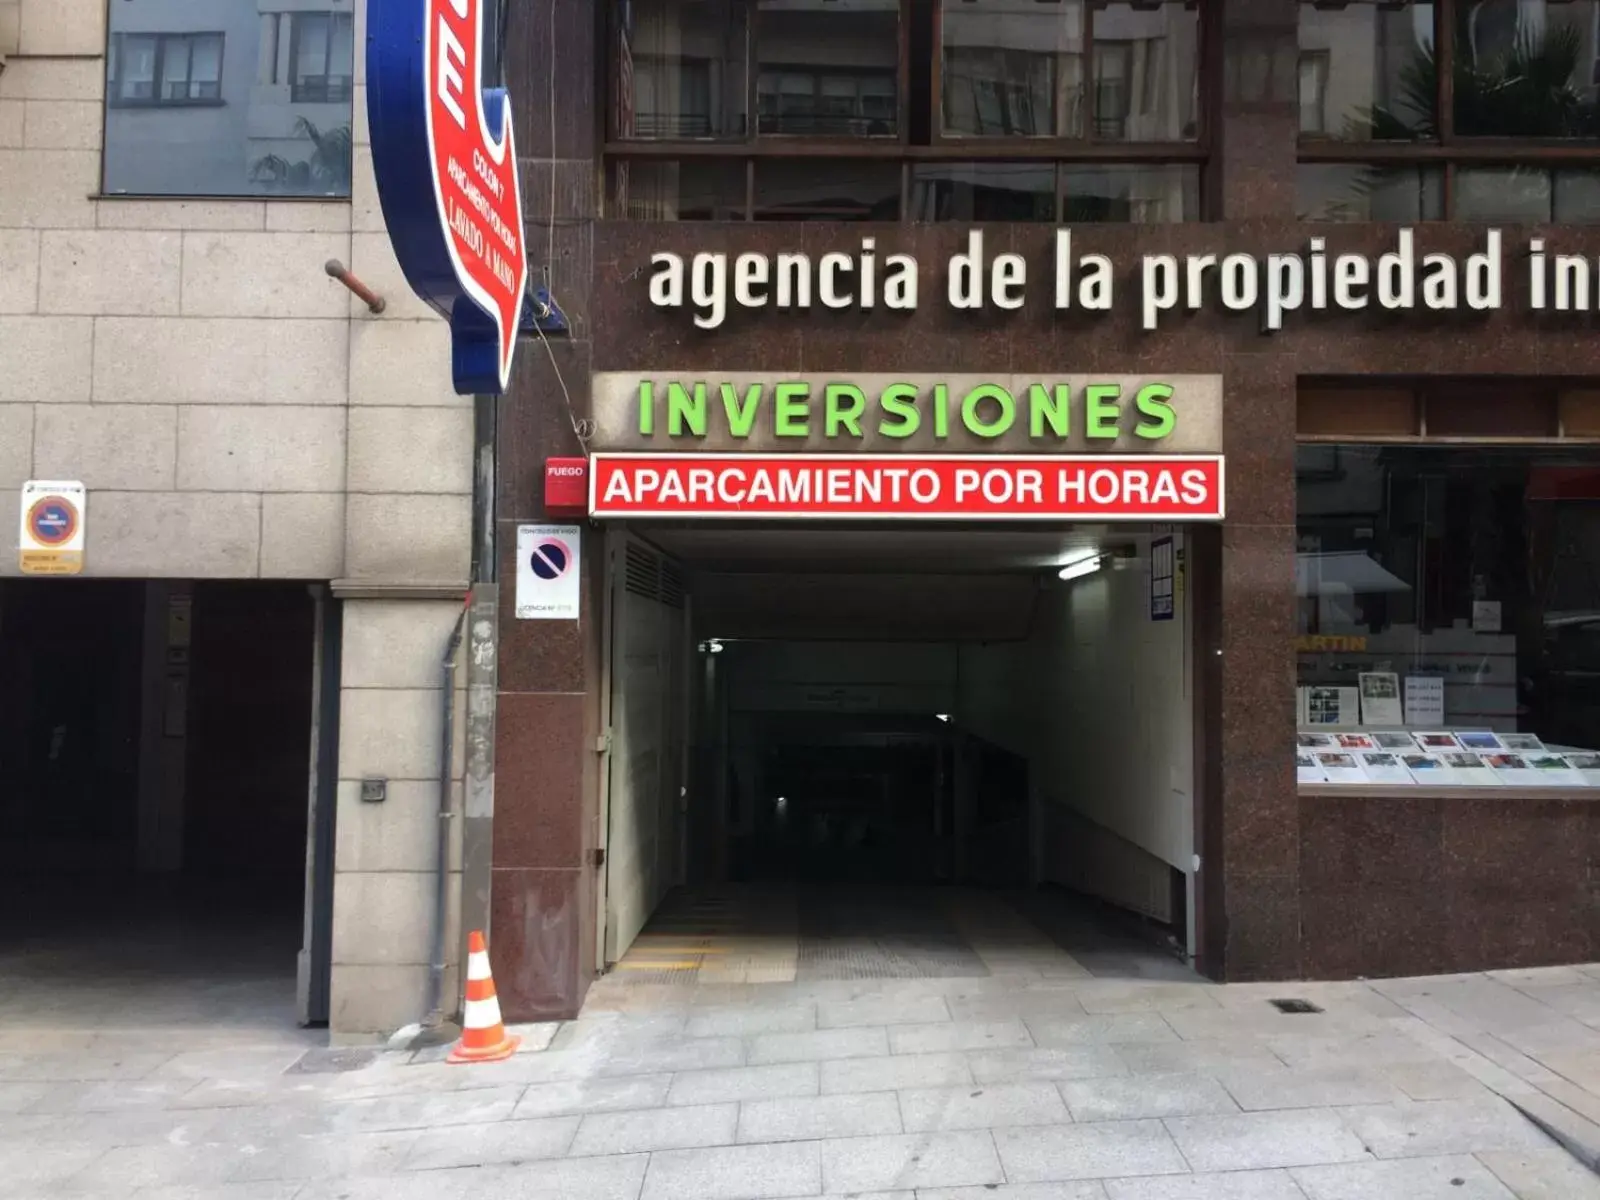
<point>441,899</point>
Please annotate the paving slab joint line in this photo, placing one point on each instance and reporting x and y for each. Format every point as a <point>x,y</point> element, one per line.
<point>1576,1134</point>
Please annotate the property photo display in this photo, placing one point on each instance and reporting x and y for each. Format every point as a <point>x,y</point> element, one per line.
<point>1448,623</point>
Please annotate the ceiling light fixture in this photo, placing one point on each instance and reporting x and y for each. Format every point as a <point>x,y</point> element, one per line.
<point>1080,567</point>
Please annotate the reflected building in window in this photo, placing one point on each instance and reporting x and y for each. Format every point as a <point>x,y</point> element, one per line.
<point>1016,68</point>
<point>229,97</point>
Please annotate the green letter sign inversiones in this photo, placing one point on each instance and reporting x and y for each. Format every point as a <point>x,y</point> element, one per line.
<point>792,409</point>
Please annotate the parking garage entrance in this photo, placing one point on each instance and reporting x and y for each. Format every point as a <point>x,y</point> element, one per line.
<point>872,750</point>
<point>157,743</point>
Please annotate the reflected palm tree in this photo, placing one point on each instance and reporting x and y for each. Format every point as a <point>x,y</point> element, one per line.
<point>326,170</point>
<point>1529,89</point>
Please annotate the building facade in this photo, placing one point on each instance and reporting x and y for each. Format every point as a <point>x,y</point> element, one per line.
<point>278,478</point>
<point>1356,432</point>
<point>1122,239</point>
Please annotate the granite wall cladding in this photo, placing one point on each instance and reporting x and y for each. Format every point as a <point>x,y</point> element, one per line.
<point>1407,885</point>
<point>1261,880</point>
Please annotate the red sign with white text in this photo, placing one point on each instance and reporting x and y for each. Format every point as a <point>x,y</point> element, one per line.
<point>1105,487</point>
<point>474,177</point>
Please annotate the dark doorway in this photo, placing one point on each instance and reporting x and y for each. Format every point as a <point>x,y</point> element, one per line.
<point>155,744</point>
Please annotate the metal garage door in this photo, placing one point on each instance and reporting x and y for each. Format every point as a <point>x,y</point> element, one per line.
<point>649,705</point>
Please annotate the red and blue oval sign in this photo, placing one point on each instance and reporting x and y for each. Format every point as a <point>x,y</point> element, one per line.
<point>52,520</point>
<point>550,559</point>
<point>445,163</point>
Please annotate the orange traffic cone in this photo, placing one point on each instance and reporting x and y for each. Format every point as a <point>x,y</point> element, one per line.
<point>483,1035</point>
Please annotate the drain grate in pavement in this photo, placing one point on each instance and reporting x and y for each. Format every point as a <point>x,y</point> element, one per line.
<point>331,1062</point>
<point>880,937</point>
<point>1294,1006</point>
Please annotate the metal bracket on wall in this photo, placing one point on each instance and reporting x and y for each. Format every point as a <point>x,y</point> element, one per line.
<point>541,314</point>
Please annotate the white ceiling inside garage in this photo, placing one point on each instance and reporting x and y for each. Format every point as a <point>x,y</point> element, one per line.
<point>896,549</point>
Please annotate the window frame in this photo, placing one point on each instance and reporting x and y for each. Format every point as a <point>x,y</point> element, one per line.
<point>939,146</point>
<point>298,92</point>
<point>1450,151</point>
<point>164,40</point>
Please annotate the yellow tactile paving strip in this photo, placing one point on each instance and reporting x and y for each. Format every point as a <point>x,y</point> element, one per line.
<point>707,938</point>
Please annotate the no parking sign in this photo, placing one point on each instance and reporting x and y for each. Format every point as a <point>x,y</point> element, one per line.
<point>548,572</point>
<point>50,541</point>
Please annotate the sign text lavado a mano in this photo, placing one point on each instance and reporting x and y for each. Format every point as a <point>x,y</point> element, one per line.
<point>446,168</point>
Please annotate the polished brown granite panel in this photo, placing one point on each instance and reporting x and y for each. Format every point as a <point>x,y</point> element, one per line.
<point>539,801</point>
<point>1262,913</point>
<point>539,928</point>
<point>547,656</point>
<point>1346,873</point>
<point>553,66</point>
<point>549,394</point>
<point>1348,843</point>
<point>1373,932</point>
<point>1516,878</point>
<point>1403,884</point>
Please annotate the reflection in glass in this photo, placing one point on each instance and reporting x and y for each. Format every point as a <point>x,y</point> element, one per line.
<point>690,190</point>
<point>229,98</point>
<point>681,69</point>
<point>1012,68</point>
<point>1368,192</point>
<point>983,192</point>
<point>1527,194</point>
<point>1526,68</point>
<point>1015,68</point>
<point>799,189</point>
<point>1366,71</point>
<point>1145,72</point>
<point>1397,547</point>
<point>1135,195</point>
<point>828,68</point>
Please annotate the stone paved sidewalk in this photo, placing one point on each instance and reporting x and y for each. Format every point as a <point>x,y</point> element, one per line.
<point>1010,1087</point>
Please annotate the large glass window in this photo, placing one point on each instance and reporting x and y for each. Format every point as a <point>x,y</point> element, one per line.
<point>1010,69</point>
<point>229,98</point>
<point>681,70</point>
<point>827,69</point>
<point>1450,590</point>
<point>1473,85</point>
<point>943,91</point>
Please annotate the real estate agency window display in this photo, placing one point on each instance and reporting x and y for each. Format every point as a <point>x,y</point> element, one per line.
<point>1449,596</point>
<point>1470,110</point>
<point>959,110</point>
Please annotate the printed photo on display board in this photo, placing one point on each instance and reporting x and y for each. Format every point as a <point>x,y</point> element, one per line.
<point>1469,769</point>
<point>1437,740</point>
<point>1521,742</point>
<point>1480,741</point>
<point>1394,739</point>
<point>1356,741</point>
<point>1306,769</point>
<point>1383,767</point>
<point>1587,766</point>
<point>1341,768</point>
<point>1424,768</point>
<point>1316,741</point>
<point>1333,706</point>
<point>1380,698</point>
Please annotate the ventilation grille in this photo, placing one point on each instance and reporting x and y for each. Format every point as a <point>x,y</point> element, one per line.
<point>648,574</point>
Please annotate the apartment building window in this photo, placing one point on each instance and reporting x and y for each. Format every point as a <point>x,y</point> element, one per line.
<point>323,54</point>
<point>253,100</point>
<point>919,110</point>
<point>1461,109</point>
<point>164,69</point>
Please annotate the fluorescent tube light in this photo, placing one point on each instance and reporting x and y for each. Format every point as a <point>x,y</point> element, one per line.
<point>1080,568</point>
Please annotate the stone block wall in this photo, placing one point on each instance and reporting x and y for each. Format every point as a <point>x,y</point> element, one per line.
<point>235,413</point>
